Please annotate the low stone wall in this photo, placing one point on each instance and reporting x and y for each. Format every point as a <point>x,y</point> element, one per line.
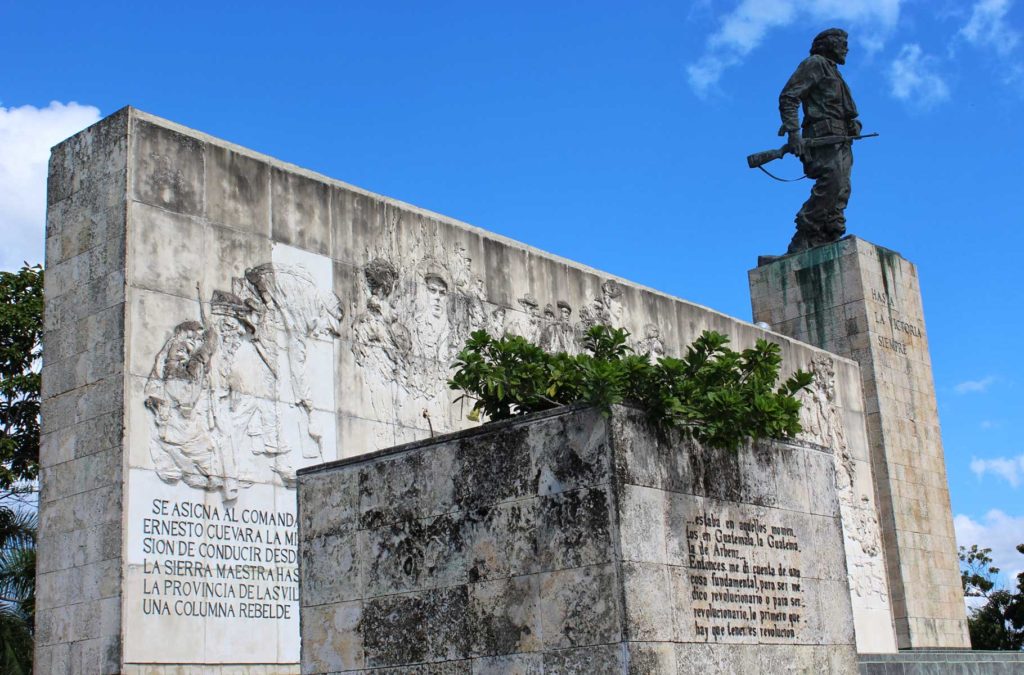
<point>942,662</point>
<point>574,542</point>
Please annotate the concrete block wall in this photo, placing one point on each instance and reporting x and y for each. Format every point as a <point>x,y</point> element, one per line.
<point>78,582</point>
<point>569,541</point>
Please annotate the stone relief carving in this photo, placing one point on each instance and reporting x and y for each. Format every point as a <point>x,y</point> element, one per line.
<point>421,297</point>
<point>419,303</point>
<point>381,342</point>
<point>820,412</point>
<point>823,424</point>
<point>532,327</point>
<point>559,334</point>
<point>223,388</point>
<point>606,309</point>
<point>651,344</point>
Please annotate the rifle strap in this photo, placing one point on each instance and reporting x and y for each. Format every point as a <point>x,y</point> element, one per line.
<point>781,180</point>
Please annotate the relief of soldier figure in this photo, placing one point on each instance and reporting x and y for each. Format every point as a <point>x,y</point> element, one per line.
<point>420,304</point>
<point>222,388</point>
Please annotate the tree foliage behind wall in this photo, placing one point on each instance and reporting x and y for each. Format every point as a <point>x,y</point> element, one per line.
<point>21,327</point>
<point>17,589</point>
<point>716,395</point>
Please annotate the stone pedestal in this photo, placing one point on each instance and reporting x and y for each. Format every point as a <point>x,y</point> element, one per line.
<point>572,542</point>
<point>863,301</point>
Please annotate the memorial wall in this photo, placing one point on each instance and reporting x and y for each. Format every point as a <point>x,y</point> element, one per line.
<point>217,320</point>
<point>570,541</point>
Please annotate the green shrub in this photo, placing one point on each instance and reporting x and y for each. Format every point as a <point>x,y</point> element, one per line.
<point>713,394</point>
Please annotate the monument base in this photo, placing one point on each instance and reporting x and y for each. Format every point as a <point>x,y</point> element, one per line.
<point>573,542</point>
<point>942,661</point>
<point>863,302</point>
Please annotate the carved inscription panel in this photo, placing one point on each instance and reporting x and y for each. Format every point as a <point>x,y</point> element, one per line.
<point>894,333</point>
<point>210,581</point>
<point>218,561</point>
<point>746,578</point>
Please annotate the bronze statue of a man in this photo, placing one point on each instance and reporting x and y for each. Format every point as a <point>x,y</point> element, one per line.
<point>829,110</point>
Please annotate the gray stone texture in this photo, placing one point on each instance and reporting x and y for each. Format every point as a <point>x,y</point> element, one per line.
<point>942,662</point>
<point>863,301</point>
<point>78,597</point>
<point>561,542</point>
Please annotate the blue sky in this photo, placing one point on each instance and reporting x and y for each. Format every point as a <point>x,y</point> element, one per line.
<point>608,133</point>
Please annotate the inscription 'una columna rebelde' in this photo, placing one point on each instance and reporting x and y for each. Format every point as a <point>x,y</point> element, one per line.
<point>218,562</point>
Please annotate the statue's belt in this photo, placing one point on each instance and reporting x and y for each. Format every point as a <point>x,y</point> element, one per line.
<point>826,128</point>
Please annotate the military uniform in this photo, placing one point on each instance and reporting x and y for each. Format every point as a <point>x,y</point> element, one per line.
<point>829,110</point>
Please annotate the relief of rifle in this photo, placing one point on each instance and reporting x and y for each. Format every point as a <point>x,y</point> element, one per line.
<point>758,159</point>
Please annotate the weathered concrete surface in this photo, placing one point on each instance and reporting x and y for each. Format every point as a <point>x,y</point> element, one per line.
<point>217,319</point>
<point>78,594</point>
<point>863,301</point>
<point>572,542</point>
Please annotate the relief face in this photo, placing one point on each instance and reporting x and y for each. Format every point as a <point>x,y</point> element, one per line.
<point>421,298</point>
<point>415,316</point>
<point>223,388</point>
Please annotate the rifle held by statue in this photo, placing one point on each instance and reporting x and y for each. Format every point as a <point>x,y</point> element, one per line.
<point>760,158</point>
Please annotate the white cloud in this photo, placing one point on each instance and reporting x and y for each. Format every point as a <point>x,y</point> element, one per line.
<point>706,72</point>
<point>974,386</point>
<point>26,135</point>
<point>744,28</point>
<point>912,79</point>
<point>987,26</point>
<point>999,532</point>
<point>1010,469</point>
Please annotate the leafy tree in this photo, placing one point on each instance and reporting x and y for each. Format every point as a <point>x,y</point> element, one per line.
<point>21,327</point>
<point>999,622</point>
<point>21,322</point>
<point>977,573</point>
<point>17,589</point>
<point>15,643</point>
<point>714,394</point>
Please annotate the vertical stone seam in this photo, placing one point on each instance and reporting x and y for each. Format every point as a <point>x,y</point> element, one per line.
<point>128,190</point>
<point>298,564</point>
<point>330,234</point>
<point>615,501</point>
